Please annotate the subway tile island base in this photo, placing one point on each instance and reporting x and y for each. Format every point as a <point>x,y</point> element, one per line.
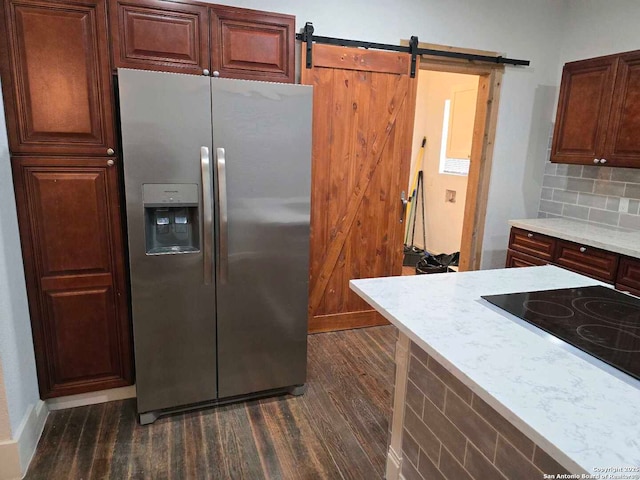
<point>478,395</point>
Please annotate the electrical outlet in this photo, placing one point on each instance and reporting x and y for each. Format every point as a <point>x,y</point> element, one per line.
<point>624,205</point>
<point>450,196</point>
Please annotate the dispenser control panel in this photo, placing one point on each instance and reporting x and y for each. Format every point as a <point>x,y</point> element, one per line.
<point>155,194</point>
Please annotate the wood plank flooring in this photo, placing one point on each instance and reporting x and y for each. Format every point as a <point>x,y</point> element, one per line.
<point>337,430</point>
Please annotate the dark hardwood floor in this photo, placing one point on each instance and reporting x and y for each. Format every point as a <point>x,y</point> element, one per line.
<point>337,430</point>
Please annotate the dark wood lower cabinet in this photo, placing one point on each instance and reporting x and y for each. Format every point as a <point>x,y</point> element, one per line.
<point>73,249</point>
<point>528,249</point>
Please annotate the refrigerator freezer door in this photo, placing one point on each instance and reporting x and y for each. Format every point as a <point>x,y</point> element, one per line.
<point>264,130</point>
<point>166,120</point>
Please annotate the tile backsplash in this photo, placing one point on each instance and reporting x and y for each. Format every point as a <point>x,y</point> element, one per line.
<point>593,194</point>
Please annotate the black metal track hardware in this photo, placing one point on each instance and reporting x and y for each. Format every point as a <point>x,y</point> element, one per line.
<point>413,49</point>
<point>308,37</point>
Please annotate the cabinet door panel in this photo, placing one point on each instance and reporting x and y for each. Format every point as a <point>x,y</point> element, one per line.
<point>56,80</point>
<point>252,45</point>
<point>84,340</point>
<point>583,110</point>
<point>623,141</point>
<point>158,35</point>
<point>72,243</point>
<point>72,237</point>
<point>629,272</point>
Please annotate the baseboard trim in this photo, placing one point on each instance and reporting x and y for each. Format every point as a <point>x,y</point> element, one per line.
<point>16,454</point>
<point>394,463</point>
<point>346,321</point>
<point>91,398</point>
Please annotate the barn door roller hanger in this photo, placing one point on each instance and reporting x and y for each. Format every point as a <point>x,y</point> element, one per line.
<point>308,38</point>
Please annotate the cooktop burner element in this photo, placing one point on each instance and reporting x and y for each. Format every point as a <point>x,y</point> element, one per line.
<point>618,313</point>
<point>600,321</point>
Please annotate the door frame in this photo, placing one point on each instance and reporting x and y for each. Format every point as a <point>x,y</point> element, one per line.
<point>484,132</point>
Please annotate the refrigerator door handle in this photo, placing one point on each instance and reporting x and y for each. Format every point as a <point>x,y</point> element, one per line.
<point>207,214</point>
<point>223,265</point>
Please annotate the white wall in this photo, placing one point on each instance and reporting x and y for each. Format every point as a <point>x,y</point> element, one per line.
<point>16,347</point>
<point>523,29</point>
<point>595,27</point>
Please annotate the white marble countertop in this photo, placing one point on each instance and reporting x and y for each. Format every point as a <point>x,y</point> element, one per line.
<point>613,239</point>
<point>578,412</point>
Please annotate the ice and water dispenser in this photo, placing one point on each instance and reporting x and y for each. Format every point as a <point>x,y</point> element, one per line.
<point>171,218</point>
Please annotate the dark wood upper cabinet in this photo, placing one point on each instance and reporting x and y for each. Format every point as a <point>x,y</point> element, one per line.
<point>583,110</point>
<point>623,138</point>
<point>56,77</point>
<point>198,38</point>
<point>70,227</point>
<point>160,35</point>
<point>252,45</point>
<point>599,112</point>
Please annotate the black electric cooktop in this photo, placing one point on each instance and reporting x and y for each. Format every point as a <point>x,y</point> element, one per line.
<point>599,320</point>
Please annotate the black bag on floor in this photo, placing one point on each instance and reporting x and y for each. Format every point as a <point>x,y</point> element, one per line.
<point>430,264</point>
<point>412,255</point>
<point>448,259</point>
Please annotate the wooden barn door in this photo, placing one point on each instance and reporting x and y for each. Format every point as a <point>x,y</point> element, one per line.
<point>363,110</point>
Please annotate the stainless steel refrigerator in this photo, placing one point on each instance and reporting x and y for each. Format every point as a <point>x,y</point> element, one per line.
<point>217,180</point>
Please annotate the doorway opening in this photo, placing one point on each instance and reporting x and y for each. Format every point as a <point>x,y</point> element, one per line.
<point>444,116</point>
<point>456,111</point>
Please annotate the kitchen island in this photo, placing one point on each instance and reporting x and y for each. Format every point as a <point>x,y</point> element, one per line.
<point>480,394</point>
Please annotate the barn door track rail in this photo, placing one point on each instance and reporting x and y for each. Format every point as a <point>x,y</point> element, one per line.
<point>308,38</point>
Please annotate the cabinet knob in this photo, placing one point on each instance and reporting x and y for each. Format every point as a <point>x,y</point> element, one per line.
<point>583,249</point>
<point>216,73</point>
<point>530,235</point>
<point>205,72</point>
<point>596,160</point>
<point>110,151</point>
<point>110,163</point>
<point>603,160</point>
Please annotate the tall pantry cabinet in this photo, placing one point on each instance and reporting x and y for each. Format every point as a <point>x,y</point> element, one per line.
<point>58,96</point>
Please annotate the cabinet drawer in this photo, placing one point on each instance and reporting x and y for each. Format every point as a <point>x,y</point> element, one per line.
<point>629,273</point>
<point>587,260</point>
<point>517,259</point>
<point>532,243</point>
